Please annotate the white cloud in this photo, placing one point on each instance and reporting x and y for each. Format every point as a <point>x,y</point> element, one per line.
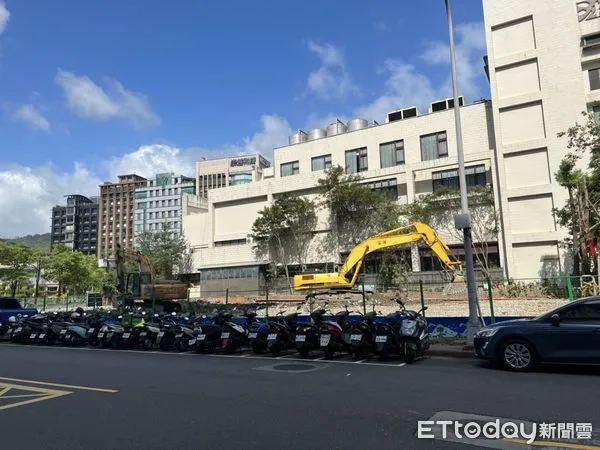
<point>4,17</point>
<point>321,121</point>
<point>408,86</point>
<point>331,80</point>
<point>404,87</point>
<point>382,26</point>
<point>32,116</point>
<point>28,194</point>
<point>470,47</point>
<point>87,99</point>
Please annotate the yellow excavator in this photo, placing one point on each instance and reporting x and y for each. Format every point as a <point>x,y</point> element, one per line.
<point>143,285</point>
<point>347,276</point>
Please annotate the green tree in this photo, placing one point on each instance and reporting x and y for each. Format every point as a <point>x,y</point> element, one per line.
<point>438,209</point>
<point>580,214</point>
<point>283,231</point>
<point>356,212</point>
<point>74,271</point>
<point>165,250</point>
<point>15,265</point>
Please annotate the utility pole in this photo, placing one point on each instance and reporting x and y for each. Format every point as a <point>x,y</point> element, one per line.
<point>463,220</point>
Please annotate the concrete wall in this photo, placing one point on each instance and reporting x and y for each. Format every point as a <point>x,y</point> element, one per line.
<point>538,90</point>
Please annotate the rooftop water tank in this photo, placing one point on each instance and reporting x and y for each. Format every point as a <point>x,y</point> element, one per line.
<point>337,127</point>
<point>297,138</point>
<point>316,133</point>
<point>357,124</point>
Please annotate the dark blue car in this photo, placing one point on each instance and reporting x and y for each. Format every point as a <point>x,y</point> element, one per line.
<point>569,334</point>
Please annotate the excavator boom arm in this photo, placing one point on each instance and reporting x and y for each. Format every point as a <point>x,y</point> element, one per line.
<point>396,237</point>
<point>399,236</point>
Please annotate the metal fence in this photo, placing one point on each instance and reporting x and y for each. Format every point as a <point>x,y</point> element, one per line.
<point>497,298</point>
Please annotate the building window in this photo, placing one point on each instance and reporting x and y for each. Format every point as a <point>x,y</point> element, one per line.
<point>594,75</point>
<point>321,162</point>
<point>448,179</point>
<point>391,154</point>
<point>596,111</point>
<point>291,168</point>
<point>386,187</point>
<point>356,160</point>
<point>434,146</point>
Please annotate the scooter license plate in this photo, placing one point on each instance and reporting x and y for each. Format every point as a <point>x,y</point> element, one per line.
<point>272,337</point>
<point>100,335</point>
<point>63,331</point>
<point>178,336</point>
<point>325,340</point>
<point>356,337</point>
<point>252,335</point>
<point>192,342</point>
<point>201,337</point>
<point>300,338</point>
<point>41,336</point>
<point>143,334</point>
<point>381,339</point>
<point>126,335</point>
<point>161,334</point>
<point>18,330</point>
<point>224,335</point>
<point>91,330</point>
<point>32,336</point>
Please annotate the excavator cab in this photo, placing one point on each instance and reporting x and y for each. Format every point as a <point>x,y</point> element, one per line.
<point>134,283</point>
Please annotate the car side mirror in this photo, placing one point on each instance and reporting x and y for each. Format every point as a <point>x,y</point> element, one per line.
<point>555,319</point>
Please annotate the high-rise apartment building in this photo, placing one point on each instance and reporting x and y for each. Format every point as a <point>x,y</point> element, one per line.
<point>76,224</point>
<point>116,214</point>
<point>217,173</point>
<point>158,203</point>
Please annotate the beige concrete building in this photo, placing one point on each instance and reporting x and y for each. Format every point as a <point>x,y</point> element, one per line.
<point>406,157</point>
<point>543,60</point>
<point>544,66</point>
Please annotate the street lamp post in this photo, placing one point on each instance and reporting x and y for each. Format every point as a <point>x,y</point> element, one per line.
<point>463,220</point>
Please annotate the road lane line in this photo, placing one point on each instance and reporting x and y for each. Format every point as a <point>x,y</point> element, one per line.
<point>4,391</point>
<point>33,400</point>
<point>21,396</point>
<point>553,444</point>
<point>401,364</point>
<point>68,386</point>
<point>42,394</point>
<point>359,362</point>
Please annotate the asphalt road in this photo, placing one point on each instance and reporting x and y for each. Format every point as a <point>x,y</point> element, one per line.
<point>189,401</point>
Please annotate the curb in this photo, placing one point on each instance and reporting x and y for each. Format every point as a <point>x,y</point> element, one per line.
<point>458,353</point>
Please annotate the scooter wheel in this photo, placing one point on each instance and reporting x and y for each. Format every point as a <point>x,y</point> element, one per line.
<point>410,356</point>
<point>276,349</point>
<point>182,346</point>
<point>258,348</point>
<point>303,352</point>
<point>328,353</point>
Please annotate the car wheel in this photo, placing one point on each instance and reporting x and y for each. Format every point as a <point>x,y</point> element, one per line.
<point>518,355</point>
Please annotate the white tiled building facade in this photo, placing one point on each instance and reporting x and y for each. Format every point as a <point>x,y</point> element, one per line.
<point>158,204</point>
<point>544,70</point>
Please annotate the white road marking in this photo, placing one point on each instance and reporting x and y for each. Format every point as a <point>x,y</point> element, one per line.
<point>291,357</point>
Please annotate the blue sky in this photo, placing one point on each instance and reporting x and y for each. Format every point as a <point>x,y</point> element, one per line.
<point>93,89</point>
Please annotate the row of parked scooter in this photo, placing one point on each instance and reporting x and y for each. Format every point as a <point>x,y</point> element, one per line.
<point>403,333</point>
